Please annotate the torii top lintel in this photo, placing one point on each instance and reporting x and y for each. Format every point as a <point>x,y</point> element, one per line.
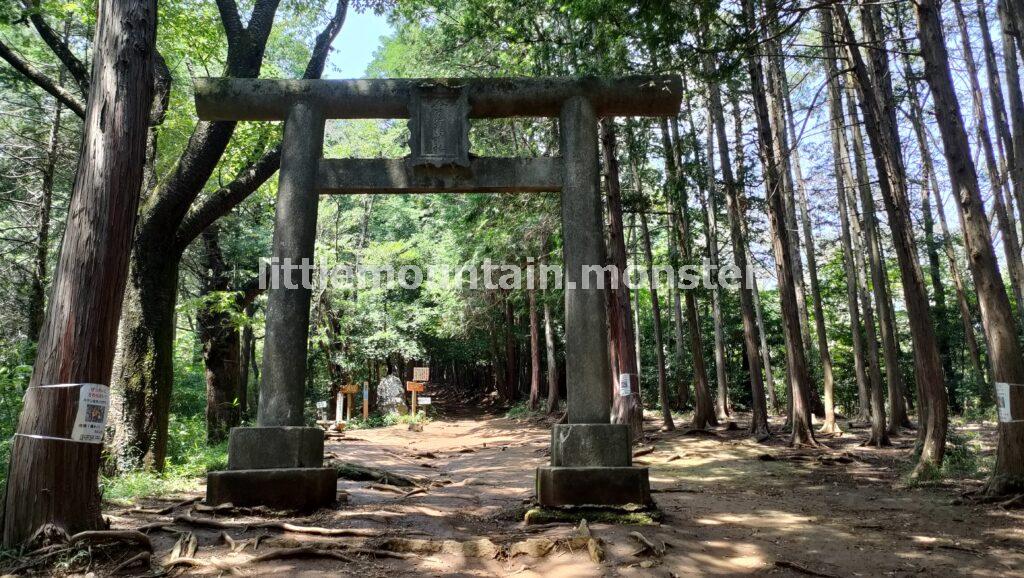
<point>234,99</point>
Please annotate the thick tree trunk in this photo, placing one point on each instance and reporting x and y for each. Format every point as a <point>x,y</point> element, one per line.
<point>55,480</point>
<point>930,185</point>
<point>928,363</point>
<point>759,409</point>
<point>220,339</point>
<point>534,352</point>
<point>802,432</point>
<point>996,314</point>
<point>625,409</point>
<point>1015,98</point>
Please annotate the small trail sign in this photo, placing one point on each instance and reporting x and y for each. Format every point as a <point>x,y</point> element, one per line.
<point>415,386</point>
<point>424,400</point>
<point>350,389</point>
<point>421,374</point>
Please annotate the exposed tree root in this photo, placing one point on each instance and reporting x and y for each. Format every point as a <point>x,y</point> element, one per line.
<point>801,569</point>
<point>361,473</point>
<point>188,519</point>
<point>142,558</point>
<point>99,536</point>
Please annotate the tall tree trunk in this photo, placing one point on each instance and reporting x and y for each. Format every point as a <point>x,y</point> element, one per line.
<point>1015,98</point>
<point>996,315</point>
<point>759,409</point>
<point>247,360</point>
<point>766,358</point>
<point>625,409</point>
<point>845,182</point>
<point>549,345</point>
<point>824,354</point>
<point>707,201</point>
<point>800,387</point>
<point>999,184</point>
<point>666,406</point>
<point>40,265</point>
<point>534,351</point>
<point>220,339</point>
<point>930,187</point>
<point>703,407</point>
<point>928,363</point>
<point>864,241</point>
<point>54,480</point>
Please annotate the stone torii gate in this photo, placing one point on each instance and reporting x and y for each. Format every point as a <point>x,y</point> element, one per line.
<point>279,462</point>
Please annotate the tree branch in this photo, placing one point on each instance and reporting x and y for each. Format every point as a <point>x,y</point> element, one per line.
<point>227,198</point>
<point>58,45</point>
<point>42,81</point>
<point>230,19</point>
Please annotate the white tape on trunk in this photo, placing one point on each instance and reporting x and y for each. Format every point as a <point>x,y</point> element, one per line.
<point>1004,403</point>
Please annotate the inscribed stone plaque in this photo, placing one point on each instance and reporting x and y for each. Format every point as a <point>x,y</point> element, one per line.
<point>439,126</point>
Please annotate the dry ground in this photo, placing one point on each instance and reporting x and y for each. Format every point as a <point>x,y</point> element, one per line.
<point>731,506</point>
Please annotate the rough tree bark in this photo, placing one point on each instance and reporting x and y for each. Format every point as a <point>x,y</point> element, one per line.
<point>169,221</point>
<point>759,409</point>
<point>802,432</point>
<point>215,324</point>
<point>844,183</point>
<point>52,479</point>
<point>996,315</point>
<point>722,409</point>
<point>628,409</point>
<point>703,407</point>
<point>928,363</point>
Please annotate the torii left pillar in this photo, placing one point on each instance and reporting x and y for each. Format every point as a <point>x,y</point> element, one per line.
<point>279,463</point>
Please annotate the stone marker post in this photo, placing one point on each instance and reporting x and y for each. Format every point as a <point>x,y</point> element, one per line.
<point>591,459</point>
<point>279,462</point>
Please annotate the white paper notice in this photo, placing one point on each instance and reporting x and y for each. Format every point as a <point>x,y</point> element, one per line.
<point>625,384</point>
<point>423,400</point>
<point>91,420</point>
<point>421,374</point>
<point>1003,402</point>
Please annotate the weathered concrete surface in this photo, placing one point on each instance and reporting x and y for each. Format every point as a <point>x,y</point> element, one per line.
<point>566,486</point>
<point>284,488</point>
<point>485,175</point>
<point>284,368</point>
<point>591,444</point>
<point>258,448</point>
<point>587,370</point>
<point>270,99</point>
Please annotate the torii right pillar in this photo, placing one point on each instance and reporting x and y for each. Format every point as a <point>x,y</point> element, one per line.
<point>591,459</point>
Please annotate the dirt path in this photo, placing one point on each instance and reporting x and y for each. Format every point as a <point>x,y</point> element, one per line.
<point>731,507</point>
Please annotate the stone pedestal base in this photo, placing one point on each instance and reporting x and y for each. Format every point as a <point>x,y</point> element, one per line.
<point>260,448</point>
<point>282,488</point>
<point>591,465</point>
<point>591,444</point>
<point>592,486</point>
<point>278,467</point>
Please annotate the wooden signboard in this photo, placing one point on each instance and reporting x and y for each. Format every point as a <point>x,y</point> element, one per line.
<point>350,389</point>
<point>415,386</point>
<point>421,374</point>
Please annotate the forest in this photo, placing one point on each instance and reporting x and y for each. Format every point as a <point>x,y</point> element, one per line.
<point>861,390</point>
